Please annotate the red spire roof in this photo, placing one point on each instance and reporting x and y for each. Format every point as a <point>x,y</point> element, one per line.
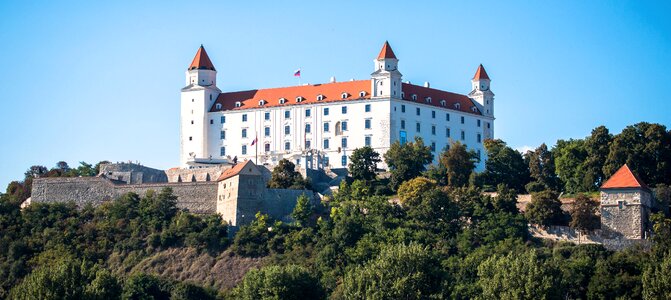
<point>201,61</point>
<point>623,179</point>
<point>480,73</point>
<point>386,52</point>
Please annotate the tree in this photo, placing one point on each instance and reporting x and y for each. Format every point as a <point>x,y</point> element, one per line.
<point>518,276</point>
<point>285,176</point>
<point>542,167</point>
<point>36,171</point>
<point>657,280</point>
<point>597,146</point>
<point>407,161</point>
<point>459,163</point>
<point>279,282</point>
<point>143,286</point>
<point>398,272</point>
<point>663,198</point>
<point>570,157</point>
<point>363,163</point>
<point>544,209</point>
<point>583,214</point>
<point>506,199</point>
<point>302,211</point>
<point>504,165</point>
<point>411,191</point>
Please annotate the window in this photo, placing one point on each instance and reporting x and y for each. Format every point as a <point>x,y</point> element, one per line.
<point>367,123</point>
<point>244,149</point>
<point>433,114</point>
<point>222,151</point>
<point>403,137</point>
<point>262,102</point>
<point>428,99</point>
<point>362,94</point>
<point>463,135</point>
<point>191,122</point>
<point>266,147</point>
<point>308,128</point>
<point>417,112</point>
<point>282,100</point>
<point>478,123</point>
<point>326,143</point>
<point>287,129</point>
<point>308,112</point>
<point>343,142</point>
<point>367,108</point>
<point>457,105</point>
<point>307,144</point>
<point>344,95</point>
<point>211,121</point>
<point>266,131</point>
<point>223,119</point>
<point>479,138</point>
<point>433,129</point>
<point>244,133</point>
<point>244,118</point>
<point>402,124</point>
<point>418,127</point>
<point>238,104</point>
<point>433,146</point>
<point>479,155</point>
<point>488,125</point>
<point>442,102</point>
<point>287,114</point>
<point>344,110</point>
<point>462,119</point>
<point>414,97</point>
<point>287,146</point>
<point>620,204</point>
<point>299,99</point>
<point>222,134</point>
<point>190,138</point>
<point>402,108</point>
<point>447,117</point>
<point>343,126</point>
<point>326,111</point>
<point>218,106</point>
<point>344,160</point>
<point>367,141</point>
<point>447,132</point>
<point>266,116</point>
<point>320,97</point>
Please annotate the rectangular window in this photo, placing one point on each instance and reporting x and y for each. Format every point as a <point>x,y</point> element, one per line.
<point>367,141</point>
<point>620,204</point>
<point>326,127</point>
<point>488,125</point>
<point>402,108</point>
<point>222,134</point>
<point>266,131</point>
<point>479,155</point>
<point>344,160</point>
<point>433,146</point>
<point>266,147</point>
<point>287,129</point>
<point>244,149</point>
<point>447,117</point>
<point>326,143</point>
<point>307,113</point>
<point>244,133</point>
<point>463,135</point>
<point>211,121</point>
<point>287,114</point>
<point>326,111</point>
<point>367,123</point>
<point>418,127</point>
<point>344,125</point>
<point>344,110</point>
<point>433,114</point>
<point>462,119</point>
<point>367,108</point>
<point>447,132</point>
<point>308,128</point>
<point>403,137</point>
<point>479,138</point>
<point>307,144</point>
<point>244,117</point>
<point>478,123</point>
<point>287,146</point>
<point>402,124</point>
<point>267,116</point>
<point>223,119</point>
<point>433,129</point>
<point>343,142</point>
<point>222,151</point>
<point>417,112</point>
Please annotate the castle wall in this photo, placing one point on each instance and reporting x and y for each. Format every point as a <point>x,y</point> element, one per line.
<point>131,173</point>
<point>624,213</point>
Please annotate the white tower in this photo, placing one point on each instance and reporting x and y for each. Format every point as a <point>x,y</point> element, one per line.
<point>198,96</point>
<point>386,80</point>
<point>484,97</point>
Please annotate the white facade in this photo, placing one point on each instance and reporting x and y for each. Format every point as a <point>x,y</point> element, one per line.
<point>220,127</point>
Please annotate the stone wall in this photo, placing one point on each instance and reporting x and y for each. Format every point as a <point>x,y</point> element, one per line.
<point>131,173</point>
<point>196,174</point>
<point>197,197</point>
<point>625,212</point>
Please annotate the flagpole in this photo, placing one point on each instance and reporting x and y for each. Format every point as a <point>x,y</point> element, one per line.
<point>256,139</point>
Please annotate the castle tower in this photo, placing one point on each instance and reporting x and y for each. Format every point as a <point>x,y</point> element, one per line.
<point>197,98</point>
<point>625,205</point>
<point>484,97</point>
<point>386,80</point>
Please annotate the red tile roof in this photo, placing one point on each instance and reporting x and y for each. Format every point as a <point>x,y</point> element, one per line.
<point>623,179</point>
<point>201,61</point>
<point>386,52</point>
<point>235,170</point>
<point>480,73</point>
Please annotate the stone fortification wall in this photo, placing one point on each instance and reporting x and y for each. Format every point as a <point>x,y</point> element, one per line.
<point>131,173</point>
<point>197,197</point>
<point>197,174</point>
<point>625,212</point>
<point>279,203</point>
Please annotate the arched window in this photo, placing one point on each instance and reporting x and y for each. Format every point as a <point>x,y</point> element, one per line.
<point>457,105</point>
<point>238,103</point>
<point>299,99</point>
<point>262,102</point>
<point>344,95</point>
<point>282,100</point>
<point>362,94</point>
<point>218,106</point>
<point>428,99</point>
<point>414,97</point>
<point>442,102</point>
<point>320,97</point>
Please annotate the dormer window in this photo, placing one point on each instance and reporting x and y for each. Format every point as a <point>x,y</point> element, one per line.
<point>344,95</point>
<point>402,95</point>
<point>262,102</point>
<point>474,109</point>
<point>218,106</point>
<point>362,94</point>
<point>428,99</point>
<point>320,97</point>
<point>442,102</point>
<point>282,100</point>
<point>299,99</point>
<point>414,97</point>
<point>238,103</point>
<point>457,105</point>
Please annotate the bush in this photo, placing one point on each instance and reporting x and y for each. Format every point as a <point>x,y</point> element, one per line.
<point>279,282</point>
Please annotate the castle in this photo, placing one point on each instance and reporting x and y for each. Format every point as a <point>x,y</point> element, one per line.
<point>316,126</point>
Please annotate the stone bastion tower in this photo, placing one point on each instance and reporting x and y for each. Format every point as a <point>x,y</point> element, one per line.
<point>625,205</point>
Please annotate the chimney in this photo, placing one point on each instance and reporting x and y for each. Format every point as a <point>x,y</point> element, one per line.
<point>427,84</point>
<point>332,80</point>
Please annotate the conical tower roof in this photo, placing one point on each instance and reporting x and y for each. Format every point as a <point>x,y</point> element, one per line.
<point>386,52</point>
<point>624,179</point>
<point>201,61</point>
<point>481,73</point>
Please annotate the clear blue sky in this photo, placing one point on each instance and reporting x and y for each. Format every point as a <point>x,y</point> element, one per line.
<point>85,81</point>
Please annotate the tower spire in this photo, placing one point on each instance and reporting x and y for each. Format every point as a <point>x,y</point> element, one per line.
<point>201,61</point>
<point>386,52</point>
<point>480,73</point>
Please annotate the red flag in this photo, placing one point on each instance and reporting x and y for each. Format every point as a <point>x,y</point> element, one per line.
<point>254,141</point>
<point>297,73</point>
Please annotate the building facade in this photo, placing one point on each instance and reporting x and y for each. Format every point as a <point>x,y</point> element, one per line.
<point>625,207</point>
<point>318,125</point>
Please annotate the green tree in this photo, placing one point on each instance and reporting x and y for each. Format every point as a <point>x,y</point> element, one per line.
<point>544,209</point>
<point>407,161</point>
<point>504,165</point>
<point>459,163</point>
<point>411,191</point>
<point>518,276</point>
<point>285,176</point>
<point>583,214</point>
<point>542,168</point>
<point>657,281</point>
<point>142,286</point>
<point>597,146</point>
<point>279,282</point>
<point>363,163</point>
<point>570,157</point>
<point>302,211</point>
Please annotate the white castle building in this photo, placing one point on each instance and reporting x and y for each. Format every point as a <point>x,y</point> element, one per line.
<point>319,125</point>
